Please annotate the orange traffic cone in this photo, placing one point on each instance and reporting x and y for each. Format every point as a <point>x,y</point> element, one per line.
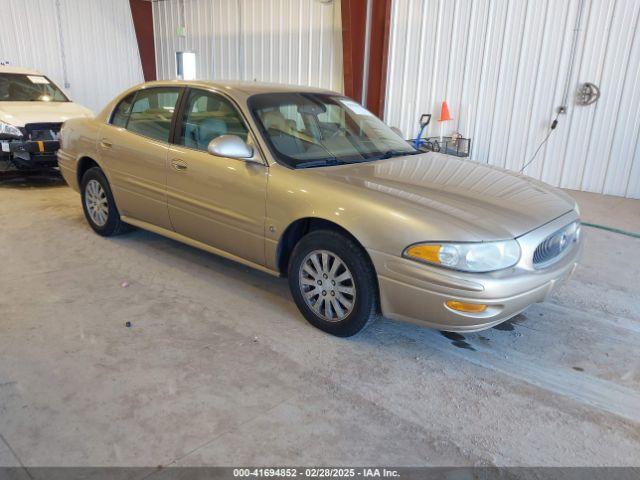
<point>445,116</point>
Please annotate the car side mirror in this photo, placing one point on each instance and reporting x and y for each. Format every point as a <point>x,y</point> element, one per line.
<point>230,146</point>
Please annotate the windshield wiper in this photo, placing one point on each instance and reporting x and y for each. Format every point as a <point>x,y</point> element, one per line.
<point>323,162</point>
<point>393,153</point>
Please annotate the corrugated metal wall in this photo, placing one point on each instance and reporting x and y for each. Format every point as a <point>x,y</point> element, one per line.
<point>91,44</point>
<point>283,41</point>
<point>501,65</point>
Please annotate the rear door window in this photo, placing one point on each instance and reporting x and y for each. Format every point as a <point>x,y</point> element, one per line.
<point>152,111</point>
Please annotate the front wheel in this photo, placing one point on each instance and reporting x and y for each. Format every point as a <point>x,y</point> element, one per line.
<point>98,204</point>
<point>333,283</point>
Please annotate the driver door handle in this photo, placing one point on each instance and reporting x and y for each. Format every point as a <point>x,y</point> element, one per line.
<point>178,165</point>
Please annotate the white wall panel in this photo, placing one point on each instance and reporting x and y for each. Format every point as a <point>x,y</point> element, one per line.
<point>283,41</point>
<point>91,44</point>
<point>502,66</point>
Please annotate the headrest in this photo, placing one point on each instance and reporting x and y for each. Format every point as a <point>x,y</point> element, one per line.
<point>274,120</point>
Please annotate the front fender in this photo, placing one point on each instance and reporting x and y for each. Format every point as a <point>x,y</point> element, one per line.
<point>377,222</point>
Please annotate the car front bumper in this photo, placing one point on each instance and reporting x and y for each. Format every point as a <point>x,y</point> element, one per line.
<point>28,154</point>
<point>415,292</point>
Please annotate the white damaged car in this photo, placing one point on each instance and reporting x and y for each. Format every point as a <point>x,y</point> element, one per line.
<point>32,110</point>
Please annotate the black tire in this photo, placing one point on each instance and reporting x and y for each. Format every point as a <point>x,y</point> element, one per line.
<point>113,225</point>
<point>365,306</point>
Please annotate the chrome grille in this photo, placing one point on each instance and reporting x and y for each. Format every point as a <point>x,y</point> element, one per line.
<point>553,248</point>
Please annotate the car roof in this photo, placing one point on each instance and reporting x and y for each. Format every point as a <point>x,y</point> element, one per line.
<point>239,90</point>
<point>240,87</point>
<point>12,69</point>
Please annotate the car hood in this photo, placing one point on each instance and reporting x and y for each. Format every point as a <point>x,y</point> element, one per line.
<point>19,114</point>
<point>490,201</point>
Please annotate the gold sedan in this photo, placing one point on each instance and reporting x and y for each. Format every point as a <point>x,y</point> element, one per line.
<point>306,183</point>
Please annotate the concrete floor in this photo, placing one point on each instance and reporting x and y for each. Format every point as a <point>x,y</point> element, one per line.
<point>218,367</point>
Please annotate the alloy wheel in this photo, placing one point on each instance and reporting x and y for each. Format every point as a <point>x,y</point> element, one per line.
<point>327,285</point>
<point>95,199</point>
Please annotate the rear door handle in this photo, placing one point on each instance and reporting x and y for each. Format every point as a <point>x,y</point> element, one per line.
<point>104,143</point>
<point>178,165</point>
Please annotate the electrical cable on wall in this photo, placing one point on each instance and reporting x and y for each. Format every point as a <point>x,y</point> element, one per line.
<point>567,85</point>
<point>554,124</point>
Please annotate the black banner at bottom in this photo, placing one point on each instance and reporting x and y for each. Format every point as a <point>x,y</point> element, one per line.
<point>321,473</point>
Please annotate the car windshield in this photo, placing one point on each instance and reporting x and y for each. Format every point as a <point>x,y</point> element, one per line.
<point>15,87</point>
<point>313,130</point>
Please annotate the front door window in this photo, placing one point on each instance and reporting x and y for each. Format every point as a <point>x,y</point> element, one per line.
<point>207,116</point>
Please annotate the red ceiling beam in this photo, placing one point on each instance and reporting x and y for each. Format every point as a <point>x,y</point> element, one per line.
<point>354,14</point>
<point>142,14</point>
<point>379,55</point>
<point>354,18</point>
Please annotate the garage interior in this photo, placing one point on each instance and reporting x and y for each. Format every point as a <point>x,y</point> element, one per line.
<point>139,351</point>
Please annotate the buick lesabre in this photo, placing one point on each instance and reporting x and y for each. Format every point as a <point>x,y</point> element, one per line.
<point>307,184</point>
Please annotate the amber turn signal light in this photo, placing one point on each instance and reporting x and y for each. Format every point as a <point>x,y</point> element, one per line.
<point>466,307</point>
<point>428,252</point>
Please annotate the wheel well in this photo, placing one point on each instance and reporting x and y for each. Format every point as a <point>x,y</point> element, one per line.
<point>84,164</point>
<point>299,229</point>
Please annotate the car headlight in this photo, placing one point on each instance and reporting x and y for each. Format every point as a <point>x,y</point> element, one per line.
<point>7,129</point>
<point>467,257</point>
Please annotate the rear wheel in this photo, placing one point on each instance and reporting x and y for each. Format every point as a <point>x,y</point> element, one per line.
<point>333,283</point>
<point>98,204</point>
